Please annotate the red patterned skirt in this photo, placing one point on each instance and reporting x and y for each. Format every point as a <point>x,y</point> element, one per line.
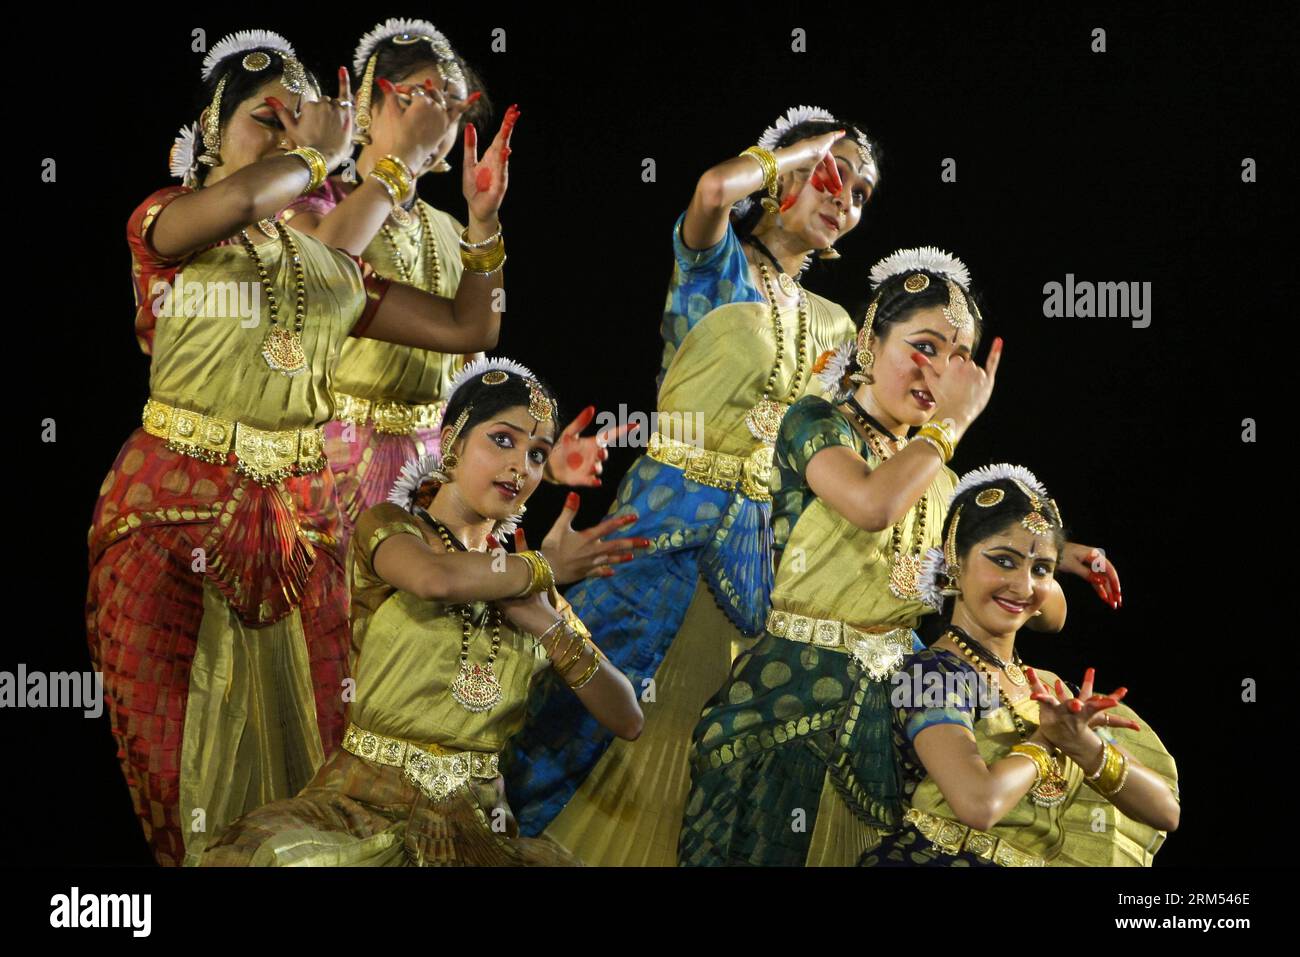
<point>166,524</point>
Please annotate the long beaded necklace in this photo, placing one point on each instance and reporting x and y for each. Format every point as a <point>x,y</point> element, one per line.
<point>764,418</point>
<point>476,688</point>
<point>282,348</point>
<point>428,251</point>
<point>1053,789</point>
<point>904,569</point>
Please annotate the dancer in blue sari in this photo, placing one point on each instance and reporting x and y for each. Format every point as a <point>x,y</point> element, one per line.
<point>740,337</point>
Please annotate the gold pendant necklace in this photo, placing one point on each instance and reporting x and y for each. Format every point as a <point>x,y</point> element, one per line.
<point>764,417</point>
<point>475,688</point>
<point>282,348</point>
<point>402,216</point>
<point>905,567</point>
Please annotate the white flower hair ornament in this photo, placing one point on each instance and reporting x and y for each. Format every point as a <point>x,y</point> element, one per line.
<point>417,471</point>
<point>927,258</point>
<point>988,474</point>
<point>835,367</point>
<point>400,29</point>
<point>792,118</point>
<point>246,40</point>
<point>182,161</point>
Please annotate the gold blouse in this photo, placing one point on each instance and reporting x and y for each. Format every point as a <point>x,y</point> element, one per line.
<point>830,568</point>
<point>208,359</point>
<point>723,363</point>
<point>371,369</point>
<point>406,652</point>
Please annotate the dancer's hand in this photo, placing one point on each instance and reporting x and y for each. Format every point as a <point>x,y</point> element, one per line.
<point>484,181</point>
<point>417,121</point>
<point>575,554</point>
<point>962,390</point>
<point>577,459</point>
<point>325,124</point>
<point>1067,721</point>
<point>814,152</point>
<point>1092,565</point>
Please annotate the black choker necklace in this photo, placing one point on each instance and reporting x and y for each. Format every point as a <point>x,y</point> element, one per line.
<point>870,419</point>
<point>973,649</point>
<point>437,526</point>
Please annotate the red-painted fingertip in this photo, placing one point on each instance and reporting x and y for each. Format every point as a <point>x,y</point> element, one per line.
<point>385,84</point>
<point>919,359</point>
<point>473,97</point>
<point>274,103</point>
<point>571,501</point>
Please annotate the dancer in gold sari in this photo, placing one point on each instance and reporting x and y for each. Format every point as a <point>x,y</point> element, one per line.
<point>450,634</point>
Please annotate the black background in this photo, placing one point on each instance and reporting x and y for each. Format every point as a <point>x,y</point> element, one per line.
<point>1120,166</point>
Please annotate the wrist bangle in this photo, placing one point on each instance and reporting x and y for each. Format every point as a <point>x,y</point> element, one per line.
<point>588,675</point>
<point>482,258</point>
<point>938,436</point>
<point>544,635</point>
<point>481,245</point>
<point>542,578</point>
<point>575,658</point>
<point>1105,754</point>
<point>317,168</point>
<point>395,174</point>
<point>767,161</point>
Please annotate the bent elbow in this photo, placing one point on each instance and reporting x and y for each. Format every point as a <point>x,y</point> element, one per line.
<point>1169,820</point>
<point>632,727</point>
<point>873,520</point>
<point>979,815</point>
<point>710,190</point>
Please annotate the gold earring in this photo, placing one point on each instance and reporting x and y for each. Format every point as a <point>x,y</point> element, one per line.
<point>866,356</point>
<point>442,166</point>
<point>830,252</point>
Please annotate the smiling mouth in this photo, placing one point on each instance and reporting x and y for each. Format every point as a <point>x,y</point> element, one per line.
<point>832,223</point>
<point>1013,607</point>
<point>923,398</point>
<point>507,489</point>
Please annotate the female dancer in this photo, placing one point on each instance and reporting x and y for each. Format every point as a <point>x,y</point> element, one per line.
<point>417,780</point>
<point>998,779</point>
<point>777,766</point>
<point>216,607</point>
<point>388,398</point>
<point>740,335</point>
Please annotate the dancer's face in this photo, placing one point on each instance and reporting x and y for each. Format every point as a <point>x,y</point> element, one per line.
<point>384,124</point>
<point>253,132</point>
<point>821,219</point>
<point>900,385</point>
<point>1006,577</point>
<point>501,462</point>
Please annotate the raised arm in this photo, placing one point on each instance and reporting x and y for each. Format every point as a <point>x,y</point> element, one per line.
<point>472,321</point>
<point>412,122</point>
<point>259,190</point>
<point>734,179</point>
<point>874,499</point>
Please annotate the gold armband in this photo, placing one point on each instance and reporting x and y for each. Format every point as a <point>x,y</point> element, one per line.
<point>316,166</point>
<point>767,161</point>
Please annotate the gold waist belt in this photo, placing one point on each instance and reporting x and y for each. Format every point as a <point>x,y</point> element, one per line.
<point>718,469</point>
<point>264,456</point>
<point>390,416</point>
<point>438,772</point>
<point>951,837</point>
<point>880,652</point>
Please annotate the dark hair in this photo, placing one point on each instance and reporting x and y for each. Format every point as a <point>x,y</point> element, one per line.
<point>744,224</point>
<point>397,61</point>
<point>240,84</point>
<point>894,304</point>
<point>485,401</point>
<point>979,522</point>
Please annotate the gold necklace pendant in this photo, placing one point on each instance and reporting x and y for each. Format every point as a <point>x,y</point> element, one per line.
<point>283,351</point>
<point>905,577</point>
<point>1052,790</point>
<point>764,420</point>
<point>1015,675</point>
<point>268,228</point>
<point>476,688</point>
<point>787,284</point>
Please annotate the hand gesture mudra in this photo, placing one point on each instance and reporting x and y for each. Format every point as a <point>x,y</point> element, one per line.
<point>324,125</point>
<point>576,554</point>
<point>962,390</point>
<point>1067,721</point>
<point>419,119</point>
<point>577,459</point>
<point>484,180</point>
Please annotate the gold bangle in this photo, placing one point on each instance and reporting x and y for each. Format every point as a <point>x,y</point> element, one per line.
<point>317,168</point>
<point>767,160</point>
<point>576,657</point>
<point>1039,755</point>
<point>1105,759</point>
<point>934,444</point>
<point>397,172</point>
<point>539,569</point>
<point>550,628</point>
<point>561,655</point>
<point>402,166</point>
<point>484,264</point>
<point>939,436</point>
<point>588,674</point>
<point>389,185</point>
